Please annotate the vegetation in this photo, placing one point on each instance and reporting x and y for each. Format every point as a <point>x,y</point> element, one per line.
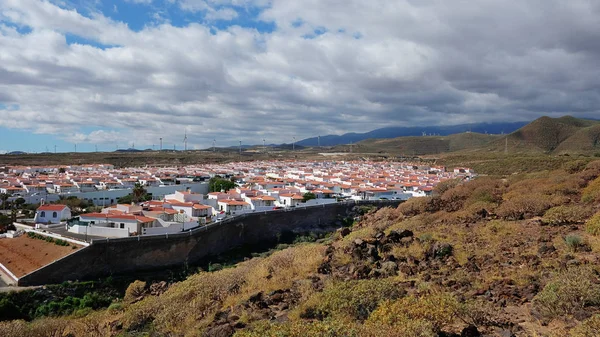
<point>500,255</point>
<point>57,242</point>
<point>138,194</point>
<point>218,184</point>
<point>308,196</point>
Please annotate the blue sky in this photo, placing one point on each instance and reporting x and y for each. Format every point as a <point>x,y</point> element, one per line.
<point>111,74</point>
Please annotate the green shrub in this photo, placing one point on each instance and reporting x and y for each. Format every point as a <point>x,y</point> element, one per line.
<point>574,242</point>
<point>352,299</point>
<point>592,226</point>
<point>568,292</point>
<point>566,214</point>
<point>115,307</point>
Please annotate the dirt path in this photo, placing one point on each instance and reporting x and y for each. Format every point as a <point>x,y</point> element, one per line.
<point>24,255</point>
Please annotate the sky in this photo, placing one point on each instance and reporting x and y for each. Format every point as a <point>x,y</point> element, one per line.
<point>125,73</point>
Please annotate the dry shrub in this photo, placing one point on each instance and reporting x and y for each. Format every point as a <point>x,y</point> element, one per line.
<point>350,300</point>
<point>588,328</point>
<point>134,291</point>
<point>93,325</point>
<point>412,328</point>
<point>139,314</point>
<point>383,218</point>
<point>416,206</point>
<point>592,192</point>
<point>327,328</point>
<point>45,327</point>
<point>575,166</point>
<point>446,185</point>
<point>189,305</point>
<point>591,172</point>
<point>436,309</point>
<point>569,185</point>
<point>566,214</point>
<point>470,214</point>
<point>281,269</point>
<point>570,291</point>
<point>479,190</point>
<point>48,327</point>
<point>523,206</point>
<point>14,329</point>
<point>592,226</point>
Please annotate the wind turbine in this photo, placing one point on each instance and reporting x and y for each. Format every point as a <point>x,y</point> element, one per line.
<point>185,141</point>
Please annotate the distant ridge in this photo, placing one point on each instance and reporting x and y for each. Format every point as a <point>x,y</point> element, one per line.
<point>394,132</point>
<point>425,145</point>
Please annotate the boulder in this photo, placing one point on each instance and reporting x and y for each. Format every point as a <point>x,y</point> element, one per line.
<point>345,231</point>
<point>396,236</point>
<point>470,331</point>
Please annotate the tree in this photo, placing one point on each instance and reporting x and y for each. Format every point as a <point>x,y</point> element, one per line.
<point>62,170</point>
<point>4,197</point>
<point>218,184</point>
<point>138,193</point>
<point>308,196</point>
<point>19,202</point>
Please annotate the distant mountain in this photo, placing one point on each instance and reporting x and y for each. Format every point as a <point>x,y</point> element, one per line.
<point>394,132</point>
<point>128,150</point>
<point>17,152</point>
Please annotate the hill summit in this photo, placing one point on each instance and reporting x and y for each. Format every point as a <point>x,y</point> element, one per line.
<point>555,135</point>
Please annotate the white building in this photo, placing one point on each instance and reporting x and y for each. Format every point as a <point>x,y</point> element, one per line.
<point>52,214</point>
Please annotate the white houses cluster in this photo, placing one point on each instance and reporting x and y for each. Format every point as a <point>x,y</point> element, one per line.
<point>260,186</point>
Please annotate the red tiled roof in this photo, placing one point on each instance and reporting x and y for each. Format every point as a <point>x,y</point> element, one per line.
<point>48,207</point>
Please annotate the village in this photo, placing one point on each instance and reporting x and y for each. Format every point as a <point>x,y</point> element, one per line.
<point>177,199</point>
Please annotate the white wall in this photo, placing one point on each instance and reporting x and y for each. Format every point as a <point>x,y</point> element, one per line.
<point>100,231</point>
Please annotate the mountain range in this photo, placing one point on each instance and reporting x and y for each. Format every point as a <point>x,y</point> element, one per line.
<point>400,131</point>
<point>544,135</point>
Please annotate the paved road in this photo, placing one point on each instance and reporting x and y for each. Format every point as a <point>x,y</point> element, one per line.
<point>63,231</point>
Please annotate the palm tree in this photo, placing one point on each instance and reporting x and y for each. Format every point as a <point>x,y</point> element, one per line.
<point>4,197</point>
<point>138,193</point>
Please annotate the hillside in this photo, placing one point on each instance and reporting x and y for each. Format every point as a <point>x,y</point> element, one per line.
<point>492,257</point>
<point>554,135</point>
<point>425,145</point>
<point>395,132</point>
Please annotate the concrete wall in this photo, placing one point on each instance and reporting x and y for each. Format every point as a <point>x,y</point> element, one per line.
<point>120,256</point>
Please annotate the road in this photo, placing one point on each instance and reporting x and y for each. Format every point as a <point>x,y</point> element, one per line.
<point>81,237</point>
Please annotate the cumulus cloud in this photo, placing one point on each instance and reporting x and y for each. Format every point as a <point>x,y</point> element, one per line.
<point>327,67</point>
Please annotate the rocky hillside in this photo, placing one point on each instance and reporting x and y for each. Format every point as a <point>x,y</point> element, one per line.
<point>497,256</point>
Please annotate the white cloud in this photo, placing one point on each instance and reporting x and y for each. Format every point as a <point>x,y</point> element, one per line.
<point>350,67</point>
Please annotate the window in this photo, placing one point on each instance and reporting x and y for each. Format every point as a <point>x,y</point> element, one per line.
<point>43,214</point>
<point>122,225</point>
<point>54,214</point>
<point>92,222</point>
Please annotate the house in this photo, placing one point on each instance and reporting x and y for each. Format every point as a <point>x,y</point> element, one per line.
<point>52,214</point>
<point>231,206</point>
<point>132,223</point>
<point>290,200</point>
